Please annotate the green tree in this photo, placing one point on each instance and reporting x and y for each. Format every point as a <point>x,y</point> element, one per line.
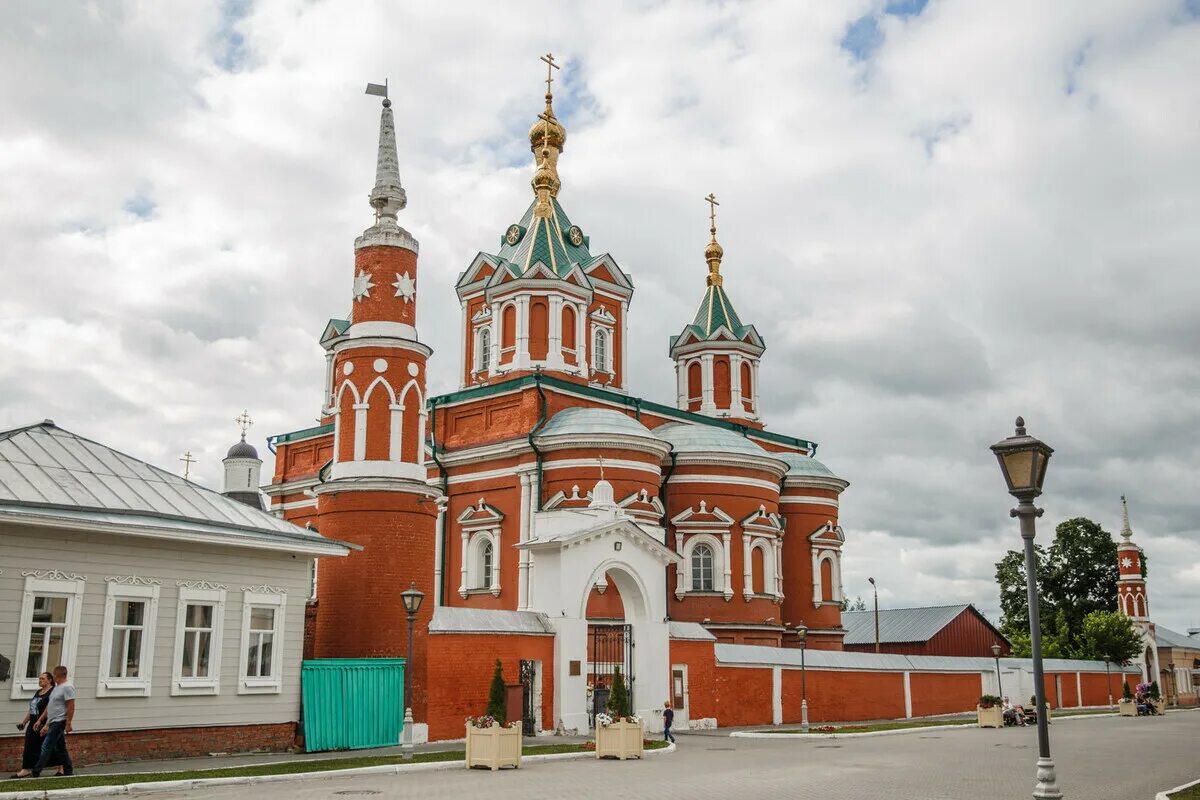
<point>1077,574</point>
<point>1110,636</point>
<point>497,706</point>
<point>857,605</point>
<point>618,699</point>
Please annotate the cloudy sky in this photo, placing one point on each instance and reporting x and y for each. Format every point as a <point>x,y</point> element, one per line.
<point>939,214</point>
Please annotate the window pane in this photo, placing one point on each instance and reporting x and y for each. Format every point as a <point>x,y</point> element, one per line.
<point>129,612</point>
<point>187,668</point>
<point>49,609</point>
<point>262,619</point>
<point>33,664</point>
<point>252,657</point>
<point>45,650</point>
<point>265,670</point>
<point>133,653</point>
<point>203,654</point>
<point>198,616</point>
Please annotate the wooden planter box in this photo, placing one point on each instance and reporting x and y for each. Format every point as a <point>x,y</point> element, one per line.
<point>1127,708</point>
<point>990,717</point>
<point>494,747</point>
<point>619,740</point>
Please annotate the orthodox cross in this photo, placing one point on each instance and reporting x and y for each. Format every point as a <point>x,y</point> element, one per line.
<point>550,67</point>
<point>187,463</point>
<point>244,422</point>
<point>712,212</point>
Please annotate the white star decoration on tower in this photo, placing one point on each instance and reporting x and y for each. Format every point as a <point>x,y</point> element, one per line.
<point>362,286</point>
<point>1126,562</point>
<point>406,287</point>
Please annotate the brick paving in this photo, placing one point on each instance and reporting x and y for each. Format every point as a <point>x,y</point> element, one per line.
<point>1098,758</point>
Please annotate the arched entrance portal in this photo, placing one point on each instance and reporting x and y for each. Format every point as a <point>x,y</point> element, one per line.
<point>566,571</point>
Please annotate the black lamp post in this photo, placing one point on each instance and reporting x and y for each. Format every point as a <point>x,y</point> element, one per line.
<point>996,653</point>
<point>411,598</point>
<point>875,589</point>
<point>1023,461</point>
<point>802,635</point>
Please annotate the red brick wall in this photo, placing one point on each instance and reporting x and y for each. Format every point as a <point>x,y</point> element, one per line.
<point>701,676</point>
<point>159,743</point>
<point>934,693</point>
<point>743,696</point>
<point>835,696</point>
<point>465,663</point>
<point>310,630</point>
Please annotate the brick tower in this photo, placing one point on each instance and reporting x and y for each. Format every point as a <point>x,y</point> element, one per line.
<point>1131,595</point>
<point>375,495</point>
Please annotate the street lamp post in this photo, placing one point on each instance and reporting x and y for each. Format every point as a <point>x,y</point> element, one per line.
<point>996,653</point>
<point>1023,461</point>
<point>411,598</point>
<point>875,589</point>
<point>802,635</point>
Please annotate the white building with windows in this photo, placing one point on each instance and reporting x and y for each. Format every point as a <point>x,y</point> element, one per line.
<point>175,608</point>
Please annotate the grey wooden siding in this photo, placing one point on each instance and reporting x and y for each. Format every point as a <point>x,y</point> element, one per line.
<point>99,555</point>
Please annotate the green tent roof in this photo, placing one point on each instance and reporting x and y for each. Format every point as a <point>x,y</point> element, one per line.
<point>716,310</point>
<point>545,240</point>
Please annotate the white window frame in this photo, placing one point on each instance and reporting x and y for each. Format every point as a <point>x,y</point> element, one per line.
<point>211,684</point>
<point>483,355</point>
<point>138,591</point>
<point>604,331</point>
<point>50,583</point>
<point>272,684</point>
<point>474,555</point>
<point>718,550</point>
<point>712,569</point>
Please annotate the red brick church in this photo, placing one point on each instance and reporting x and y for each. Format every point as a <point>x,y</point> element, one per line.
<point>550,515</point>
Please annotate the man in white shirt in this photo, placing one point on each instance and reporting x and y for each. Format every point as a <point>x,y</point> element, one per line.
<point>55,724</point>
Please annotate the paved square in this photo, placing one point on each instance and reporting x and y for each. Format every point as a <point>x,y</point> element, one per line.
<point>1101,758</point>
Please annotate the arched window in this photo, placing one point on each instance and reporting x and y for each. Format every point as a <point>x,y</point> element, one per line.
<point>486,554</point>
<point>827,579</point>
<point>702,569</point>
<point>758,570</point>
<point>483,348</point>
<point>600,350</point>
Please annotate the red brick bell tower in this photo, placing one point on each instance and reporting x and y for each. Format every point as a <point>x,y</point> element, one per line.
<point>375,495</point>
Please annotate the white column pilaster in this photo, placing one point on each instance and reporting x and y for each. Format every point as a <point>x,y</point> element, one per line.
<point>754,393</point>
<point>396,431</point>
<point>523,563</point>
<point>581,343</point>
<point>360,430</point>
<point>681,397</point>
<point>707,406</point>
<point>497,549</point>
<point>462,586</point>
<point>779,568</point>
<point>328,402</point>
<point>727,542</point>
<point>438,532</point>
<point>493,356</point>
<point>467,343</point>
<point>816,577</point>
<point>680,586</point>
<point>554,357</point>
<point>620,330</point>
<point>522,358</point>
<point>735,385</point>
<point>535,491</point>
<point>747,569</point>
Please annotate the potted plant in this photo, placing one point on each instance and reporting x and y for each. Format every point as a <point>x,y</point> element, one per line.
<point>490,743</point>
<point>619,733</point>
<point>990,711</point>
<point>1125,705</point>
<point>1156,698</point>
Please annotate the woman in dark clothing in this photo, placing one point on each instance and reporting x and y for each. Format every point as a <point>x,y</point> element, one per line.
<point>33,739</point>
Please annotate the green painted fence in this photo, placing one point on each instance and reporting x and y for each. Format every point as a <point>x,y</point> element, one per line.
<point>352,703</point>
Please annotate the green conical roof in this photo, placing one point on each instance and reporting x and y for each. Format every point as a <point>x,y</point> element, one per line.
<point>716,310</point>
<point>545,239</point>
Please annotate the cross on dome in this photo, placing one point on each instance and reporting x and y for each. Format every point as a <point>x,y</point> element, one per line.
<point>714,251</point>
<point>244,422</point>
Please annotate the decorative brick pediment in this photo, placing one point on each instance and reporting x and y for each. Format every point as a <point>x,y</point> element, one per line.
<point>828,535</point>
<point>762,521</point>
<point>480,515</point>
<point>703,517</point>
<point>643,505</point>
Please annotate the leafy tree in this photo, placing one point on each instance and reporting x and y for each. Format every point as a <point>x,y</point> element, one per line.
<point>1126,693</point>
<point>497,706</point>
<point>1110,636</point>
<point>857,605</point>
<point>618,699</point>
<point>1077,574</point>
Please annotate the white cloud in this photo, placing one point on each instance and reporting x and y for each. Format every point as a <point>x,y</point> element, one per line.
<point>993,214</point>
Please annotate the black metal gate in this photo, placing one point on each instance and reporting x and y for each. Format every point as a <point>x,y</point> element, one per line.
<point>610,648</point>
<point>528,712</point>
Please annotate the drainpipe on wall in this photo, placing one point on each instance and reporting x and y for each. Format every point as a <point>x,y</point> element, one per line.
<point>441,592</point>
<point>537,381</point>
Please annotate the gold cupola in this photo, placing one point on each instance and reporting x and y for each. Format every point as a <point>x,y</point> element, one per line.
<point>714,252</point>
<point>547,136</point>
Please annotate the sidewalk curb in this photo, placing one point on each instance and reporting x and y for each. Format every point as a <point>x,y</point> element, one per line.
<point>922,728</point>
<point>1167,794</point>
<point>150,787</point>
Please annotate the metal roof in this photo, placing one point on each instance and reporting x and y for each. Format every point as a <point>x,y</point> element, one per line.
<point>50,474</point>
<point>800,464</point>
<point>899,624</point>
<point>1165,637</point>
<point>582,420</point>
<point>689,630</point>
<point>448,619</point>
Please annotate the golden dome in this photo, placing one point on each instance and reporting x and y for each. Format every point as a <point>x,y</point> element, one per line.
<point>714,252</point>
<point>544,177</point>
<point>550,133</point>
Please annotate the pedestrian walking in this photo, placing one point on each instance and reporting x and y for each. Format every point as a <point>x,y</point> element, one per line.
<point>668,721</point>
<point>33,739</point>
<point>55,724</point>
